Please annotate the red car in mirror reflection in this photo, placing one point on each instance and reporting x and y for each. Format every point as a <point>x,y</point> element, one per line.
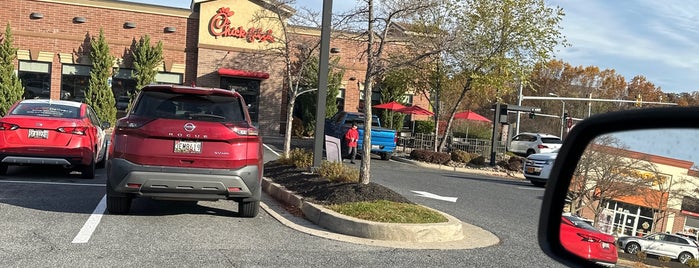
<point>582,239</point>
<point>52,132</point>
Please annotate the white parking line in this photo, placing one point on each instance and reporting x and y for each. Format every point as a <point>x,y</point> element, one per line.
<point>531,188</point>
<point>54,183</point>
<point>270,149</point>
<point>91,223</point>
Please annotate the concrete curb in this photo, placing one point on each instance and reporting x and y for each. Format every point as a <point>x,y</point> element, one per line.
<point>453,234</point>
<point>458,169</point>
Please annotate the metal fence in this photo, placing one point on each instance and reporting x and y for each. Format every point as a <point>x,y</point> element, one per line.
<point>419,141</point>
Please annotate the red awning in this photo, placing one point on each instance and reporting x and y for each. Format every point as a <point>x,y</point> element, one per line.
<point>242,73</point>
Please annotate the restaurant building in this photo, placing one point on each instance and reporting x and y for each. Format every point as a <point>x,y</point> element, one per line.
<point>219,43</point>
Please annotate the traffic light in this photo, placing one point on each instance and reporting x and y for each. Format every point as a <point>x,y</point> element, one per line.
<point>531,115</point>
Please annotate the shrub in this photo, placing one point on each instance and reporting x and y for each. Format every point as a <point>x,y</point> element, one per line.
<point>337,172</point>
<point>297,129</point>
<point>693,263</point>
<point>479,160</point>
<point>298,157</point>
<point>460,156</point>
<point>515,163</point>
<point>664,259</point>
<point>430,156</point>
<point>424,126</point>
<point>641,256</point>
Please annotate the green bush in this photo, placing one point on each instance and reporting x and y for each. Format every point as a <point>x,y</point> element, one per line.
<point>337,172</point>
<point>298,157</point>
<point>297,129</point>
<point>426,127</point>
<point>478,161</point>
<point>460,156</point>
<point>693,262</point>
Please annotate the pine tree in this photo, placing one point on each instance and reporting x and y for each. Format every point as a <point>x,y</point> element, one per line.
<point>99,94</point>
<point>11,89</point>
<point>146,60</point>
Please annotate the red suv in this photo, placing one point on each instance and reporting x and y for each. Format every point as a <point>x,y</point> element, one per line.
<point>185,143</point>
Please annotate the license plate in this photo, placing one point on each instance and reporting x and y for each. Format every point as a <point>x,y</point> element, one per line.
<point>375,147</point>
<point>530,170</point>
<point>188,147</point>
<point>38,134</point>
<point>605,245</point>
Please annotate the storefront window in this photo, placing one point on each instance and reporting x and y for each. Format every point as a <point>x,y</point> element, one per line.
<point>36,79</point>
<point>341,100</point>
<point>123,83</point>
<point>168,78</point>
<point>631,220</point>
<point>74,81</point>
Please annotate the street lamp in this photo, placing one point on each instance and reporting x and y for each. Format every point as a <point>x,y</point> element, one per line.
<point>563,112</point>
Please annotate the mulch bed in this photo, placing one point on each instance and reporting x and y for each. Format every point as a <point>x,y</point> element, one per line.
<point>321,191</point>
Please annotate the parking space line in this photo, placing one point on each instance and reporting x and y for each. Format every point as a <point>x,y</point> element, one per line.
<point>91,223</point>
<point>531,188</point>
<point>270,149</point>
<point>54,183</point>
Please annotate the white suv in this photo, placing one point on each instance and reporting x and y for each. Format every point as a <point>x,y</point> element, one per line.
<point>537,167</point>
<point>534,143</point>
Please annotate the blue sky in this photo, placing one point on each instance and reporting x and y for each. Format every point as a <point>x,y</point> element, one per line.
<point>656,39</point>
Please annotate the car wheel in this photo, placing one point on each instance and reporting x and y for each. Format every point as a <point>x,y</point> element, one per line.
<point>530,151</point>
<point>632,248</point>
<point>684,257</point>
<point>102,163</point>
<point>118,205</point>
<point>88,171</point>
<point>3,169</point>
<point>386,156</point>
<point>248,209</point>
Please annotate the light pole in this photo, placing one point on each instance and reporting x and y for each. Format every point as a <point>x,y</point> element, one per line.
<point>563,112</point>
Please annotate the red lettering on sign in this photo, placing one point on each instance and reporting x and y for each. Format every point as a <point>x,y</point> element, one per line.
<point>220,26</point>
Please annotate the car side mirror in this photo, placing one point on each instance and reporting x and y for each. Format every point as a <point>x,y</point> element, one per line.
<point>629,173</point>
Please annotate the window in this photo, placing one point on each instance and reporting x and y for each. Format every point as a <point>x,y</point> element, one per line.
<point>168,78</point>
<point>123,83</point>
<point>36,79</point>
<point>190,107</point>
<point>44,110</point>
<point>75,79</point>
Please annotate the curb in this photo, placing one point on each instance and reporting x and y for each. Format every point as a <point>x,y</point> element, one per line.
<point>453,234</point>
<point>457,169</point>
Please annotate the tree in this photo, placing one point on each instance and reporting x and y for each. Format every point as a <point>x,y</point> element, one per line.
<point>11,89</point>
<point>308,96</point>
<point>99,93</point>
<point>497,42</point>
<point>146,60</point>
<point>393,87</point>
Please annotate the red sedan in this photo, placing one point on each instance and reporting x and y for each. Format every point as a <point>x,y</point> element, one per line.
<point>50,132</point>
<point>582,239</point>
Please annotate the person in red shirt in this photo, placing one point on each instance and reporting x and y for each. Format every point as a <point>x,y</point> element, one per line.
<point>351,136</point>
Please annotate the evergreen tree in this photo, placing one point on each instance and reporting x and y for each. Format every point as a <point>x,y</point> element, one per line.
<point>146,60</point>
<point>99,94</point>
<point>11,89</point>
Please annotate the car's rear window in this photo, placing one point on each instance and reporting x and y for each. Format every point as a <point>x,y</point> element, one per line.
<point>169,105</point>
<point>551,140</point>
<point>47,110</point>
<point>580,223</point>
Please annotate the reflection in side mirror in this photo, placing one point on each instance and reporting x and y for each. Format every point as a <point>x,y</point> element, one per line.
<point>632,184</point>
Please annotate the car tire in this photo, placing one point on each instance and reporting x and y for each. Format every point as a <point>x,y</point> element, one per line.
<point>632,248</point>
<point>103,163</point>
<point>3,169</point>
<point>386,156</point>
<point>118,205</point>
<point>684,257</point>
<point>248,209</point>
<point>88,171</point>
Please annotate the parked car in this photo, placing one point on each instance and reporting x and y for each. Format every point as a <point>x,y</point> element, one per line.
<point>661,244</point>
<point>537,167</point>
<point>383,140</point>
<point>582,239</point>
<point>51,132</point>
<point>185,143</point>
<point>534,143</point>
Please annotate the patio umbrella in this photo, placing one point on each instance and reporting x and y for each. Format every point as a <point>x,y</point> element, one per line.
<point>415,110</point>
<point>391,106</point>
<point>471,116</point>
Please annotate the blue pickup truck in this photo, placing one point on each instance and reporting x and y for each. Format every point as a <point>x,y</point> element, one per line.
<point>383,140</point>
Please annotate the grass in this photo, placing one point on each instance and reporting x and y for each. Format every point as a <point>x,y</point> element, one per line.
<point>389,212</point>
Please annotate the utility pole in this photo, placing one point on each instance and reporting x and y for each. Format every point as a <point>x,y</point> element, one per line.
<point>322,84</point>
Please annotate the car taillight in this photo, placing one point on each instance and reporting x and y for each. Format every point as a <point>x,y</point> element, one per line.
<point>540,146</point>
<point>589,238</point>
<point>395,138</point>
<point>73,130</point>
<point>6,126</point>
<point>243,131</point>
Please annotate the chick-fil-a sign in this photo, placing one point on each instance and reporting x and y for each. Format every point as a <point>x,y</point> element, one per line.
<point>220,26</point>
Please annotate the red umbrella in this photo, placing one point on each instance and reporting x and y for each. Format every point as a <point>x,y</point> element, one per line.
<point>390,106</point>
<point>469,115</point>
<point>416,110</point>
